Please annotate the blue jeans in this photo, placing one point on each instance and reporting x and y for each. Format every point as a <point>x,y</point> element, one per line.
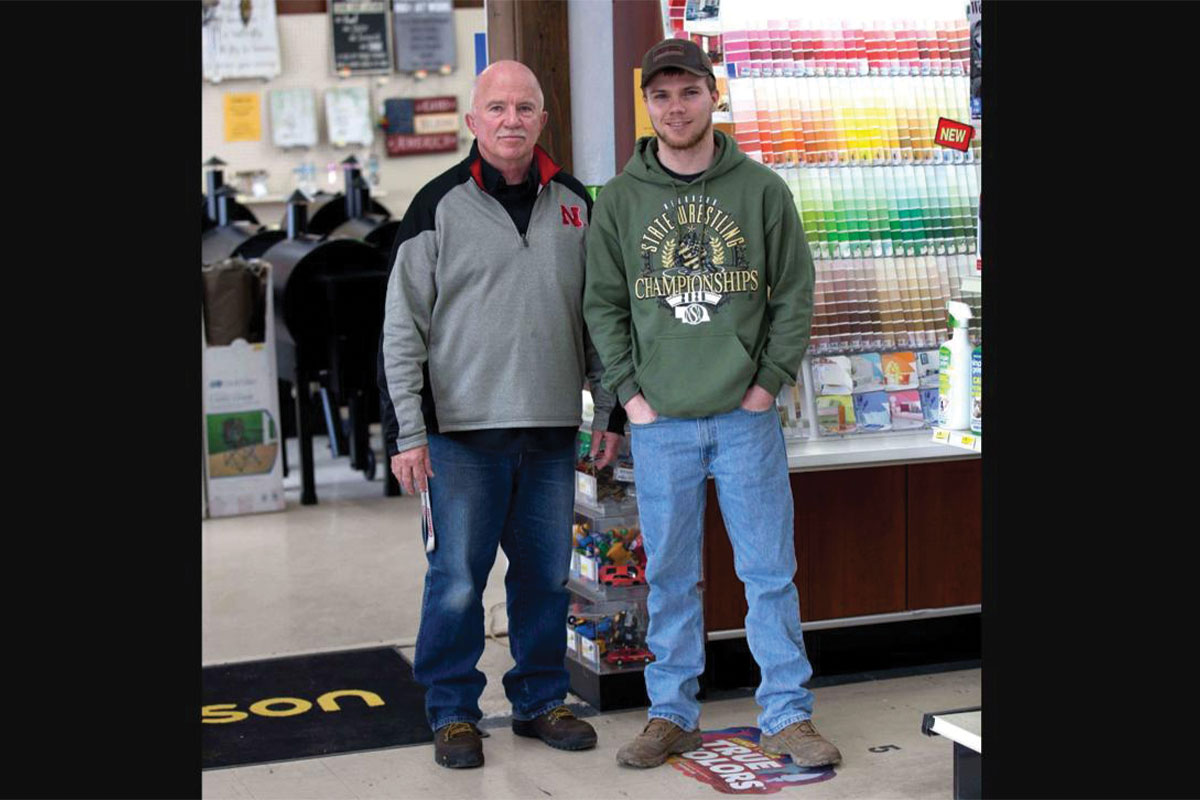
<point>524,503</point>
<point>744,452</point>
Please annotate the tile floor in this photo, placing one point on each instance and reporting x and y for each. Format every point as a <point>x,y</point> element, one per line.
<point>348,572</point>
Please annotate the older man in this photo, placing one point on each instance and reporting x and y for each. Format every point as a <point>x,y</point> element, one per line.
<point>483,356</point>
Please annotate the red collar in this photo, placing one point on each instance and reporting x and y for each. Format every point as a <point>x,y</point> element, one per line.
<point>547,169</point>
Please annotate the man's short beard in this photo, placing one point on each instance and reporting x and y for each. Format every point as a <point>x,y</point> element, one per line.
<point>695,140</point>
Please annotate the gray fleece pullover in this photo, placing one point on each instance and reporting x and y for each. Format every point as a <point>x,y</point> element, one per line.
<point>497,316</point>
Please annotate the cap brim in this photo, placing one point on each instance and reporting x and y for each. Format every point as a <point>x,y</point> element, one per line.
<point>647,77</point>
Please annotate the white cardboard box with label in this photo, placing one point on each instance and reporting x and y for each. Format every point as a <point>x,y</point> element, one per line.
<point>243,464</point>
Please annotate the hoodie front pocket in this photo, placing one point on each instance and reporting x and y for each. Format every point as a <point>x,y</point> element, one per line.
<point>696,376</point>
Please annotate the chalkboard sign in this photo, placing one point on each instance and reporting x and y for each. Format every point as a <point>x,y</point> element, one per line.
<point>362,42</point>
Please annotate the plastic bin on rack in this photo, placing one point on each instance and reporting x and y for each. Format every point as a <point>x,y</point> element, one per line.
<point>611,487</point>
<point>607,552</point>
<point>609,635</point>
<point>606,648</point>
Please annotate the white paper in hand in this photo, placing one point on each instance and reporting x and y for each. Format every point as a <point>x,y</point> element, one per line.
<point>427,520</point>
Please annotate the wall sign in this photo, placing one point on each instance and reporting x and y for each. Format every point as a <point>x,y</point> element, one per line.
<point>424,36</point>
<point>293,118</point>
<point>362,42</point>
<point>243,117</point>
<point>348,115</point>
<point>239,39</point>
<point>416,126</point>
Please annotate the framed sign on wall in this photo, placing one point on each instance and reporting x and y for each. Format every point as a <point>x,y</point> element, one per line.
<point>240,39</point>
<point>361,37</point>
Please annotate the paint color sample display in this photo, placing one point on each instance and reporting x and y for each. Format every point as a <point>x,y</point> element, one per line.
<point>849,121</point>
<point>866,212</point>
<point>876,304</point>
<point>845,112</point>
<point>807,47</point>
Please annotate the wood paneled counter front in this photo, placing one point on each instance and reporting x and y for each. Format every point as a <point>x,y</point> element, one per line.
<point>870,540</point>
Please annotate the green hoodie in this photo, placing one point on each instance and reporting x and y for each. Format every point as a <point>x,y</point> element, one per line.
<point>694,292</point>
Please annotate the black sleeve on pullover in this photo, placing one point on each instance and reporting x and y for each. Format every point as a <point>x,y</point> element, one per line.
<point>419,217</point>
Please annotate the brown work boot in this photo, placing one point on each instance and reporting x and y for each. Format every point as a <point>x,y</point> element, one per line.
<point>801,741</point>
<point>558,727</point>
<point>458,746</point>
<point>659,739</point>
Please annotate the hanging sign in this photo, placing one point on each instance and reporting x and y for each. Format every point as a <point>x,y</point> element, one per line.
<point>362,42</point>
<point>239,39</point>
<point>416,126</point>
<point>348,116</point>
<point>424,35</point>
<point>243,117</point>
<point>293,118</point>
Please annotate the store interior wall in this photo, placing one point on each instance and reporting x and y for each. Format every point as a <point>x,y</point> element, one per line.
<point>590,26</point>
<point>304,45</point>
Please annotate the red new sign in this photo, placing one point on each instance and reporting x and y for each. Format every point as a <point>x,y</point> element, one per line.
<point>954,135</point>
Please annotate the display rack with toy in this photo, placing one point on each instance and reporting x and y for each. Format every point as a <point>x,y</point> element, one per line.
<point>608,636</point>
<point>607,490</point>
<point>607,553</point>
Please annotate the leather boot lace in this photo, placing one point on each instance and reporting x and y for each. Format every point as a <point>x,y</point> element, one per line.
<point>458,729</point>
<point>562,712</point>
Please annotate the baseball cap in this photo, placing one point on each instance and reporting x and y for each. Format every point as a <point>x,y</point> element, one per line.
<point>681,54</point>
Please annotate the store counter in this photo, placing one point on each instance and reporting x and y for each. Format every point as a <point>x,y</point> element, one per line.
<point>871,450</point>
<point>964,727</point>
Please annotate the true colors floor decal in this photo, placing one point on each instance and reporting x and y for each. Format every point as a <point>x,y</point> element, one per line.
<point>732,762</point>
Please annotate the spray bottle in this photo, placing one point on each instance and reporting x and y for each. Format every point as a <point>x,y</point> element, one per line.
<point>954,371</point>
<point>977,391</point>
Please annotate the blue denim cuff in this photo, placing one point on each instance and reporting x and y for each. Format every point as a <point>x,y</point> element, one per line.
<point>680,721</point>
<point>787,721</point>
<point>541,710</point>
<point>452,719</point>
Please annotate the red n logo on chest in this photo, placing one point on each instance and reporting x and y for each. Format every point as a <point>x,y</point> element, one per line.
<point>570,216</point>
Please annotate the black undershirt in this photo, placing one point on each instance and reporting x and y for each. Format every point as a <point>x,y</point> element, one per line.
<point>677,176</point>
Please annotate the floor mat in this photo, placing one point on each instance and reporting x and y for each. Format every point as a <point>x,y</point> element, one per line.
<point>313,705</point>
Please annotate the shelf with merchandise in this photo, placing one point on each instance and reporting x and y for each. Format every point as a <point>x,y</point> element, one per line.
<point>964,440</point>
<point>863,408</point>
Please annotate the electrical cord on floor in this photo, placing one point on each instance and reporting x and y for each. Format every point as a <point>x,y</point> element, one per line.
<point>491,625</point>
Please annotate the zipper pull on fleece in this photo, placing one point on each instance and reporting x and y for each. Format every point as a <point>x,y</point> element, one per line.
<point>525,239</point>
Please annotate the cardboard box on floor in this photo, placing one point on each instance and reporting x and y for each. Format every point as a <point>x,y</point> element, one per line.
<point>242,454</point>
